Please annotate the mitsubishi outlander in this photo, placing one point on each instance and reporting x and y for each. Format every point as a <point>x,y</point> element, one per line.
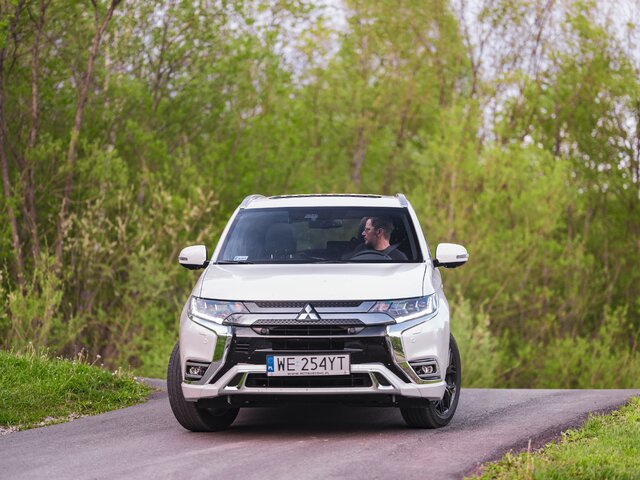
<point>317,298</point>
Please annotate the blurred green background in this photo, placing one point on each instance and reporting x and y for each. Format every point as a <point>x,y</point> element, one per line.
<point>131,129</point>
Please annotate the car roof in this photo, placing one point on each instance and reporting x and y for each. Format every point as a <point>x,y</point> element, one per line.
<point>325,200</point>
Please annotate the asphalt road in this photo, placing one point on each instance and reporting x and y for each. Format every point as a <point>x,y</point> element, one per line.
<point>307,442</point>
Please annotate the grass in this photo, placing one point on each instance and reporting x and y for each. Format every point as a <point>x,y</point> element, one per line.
<point>36,390</point>
<point>606,447</point>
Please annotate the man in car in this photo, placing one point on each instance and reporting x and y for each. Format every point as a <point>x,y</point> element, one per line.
<point>377,233</point>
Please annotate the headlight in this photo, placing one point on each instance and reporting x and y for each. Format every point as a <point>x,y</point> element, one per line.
<point>408,308</point>
<point>214,310</point>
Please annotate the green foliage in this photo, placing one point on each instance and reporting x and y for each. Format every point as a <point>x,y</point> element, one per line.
<point>36,389</point>
<point>34,316</point>
<point>526,153</point>
<point>607,446</point>
<point>479,349</point>
<point>607,359</point>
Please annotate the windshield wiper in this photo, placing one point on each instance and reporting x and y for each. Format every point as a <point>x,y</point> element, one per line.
<point>233,262</point>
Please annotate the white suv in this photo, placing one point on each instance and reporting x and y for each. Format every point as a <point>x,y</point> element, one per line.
<point>314,298</point>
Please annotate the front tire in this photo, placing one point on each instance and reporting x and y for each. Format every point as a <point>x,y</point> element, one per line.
<point>438,414</point>
<point>188,414</point>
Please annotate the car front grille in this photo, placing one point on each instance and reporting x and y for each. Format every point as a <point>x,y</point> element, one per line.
<point>369,345</point>
<point>242,347</point>
<point>290,327</point>
<point>251,347</point>
<point>310,344</point>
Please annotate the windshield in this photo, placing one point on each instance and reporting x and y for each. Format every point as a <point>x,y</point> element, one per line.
<point>321,235</point>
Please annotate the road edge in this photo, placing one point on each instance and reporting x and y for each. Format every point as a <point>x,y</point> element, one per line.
<point>542,439</point>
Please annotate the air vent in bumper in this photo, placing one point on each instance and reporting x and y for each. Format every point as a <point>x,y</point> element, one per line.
<point>261,380</point>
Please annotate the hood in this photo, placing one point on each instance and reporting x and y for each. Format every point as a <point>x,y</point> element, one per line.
<point>346,281</point>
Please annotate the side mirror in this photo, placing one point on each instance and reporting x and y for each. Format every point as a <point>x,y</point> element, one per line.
<point>194,257</point>
<point>450,255</point>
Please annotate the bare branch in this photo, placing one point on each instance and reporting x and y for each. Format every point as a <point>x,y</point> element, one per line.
<point>75,133</point>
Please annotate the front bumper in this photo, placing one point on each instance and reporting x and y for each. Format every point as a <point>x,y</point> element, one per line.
<point>380,356</point>
<point>234,382</point>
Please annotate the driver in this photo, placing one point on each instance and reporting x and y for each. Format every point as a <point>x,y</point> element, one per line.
<point>376,233</point>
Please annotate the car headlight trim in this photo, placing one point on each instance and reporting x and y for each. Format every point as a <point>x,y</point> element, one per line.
<point>405,309</point>
<point>216,311</point>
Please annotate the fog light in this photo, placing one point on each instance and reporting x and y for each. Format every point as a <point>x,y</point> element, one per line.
<point>264,331</point>
<point>351,330</point>
<point>426,369</point>
<point>195,370</point>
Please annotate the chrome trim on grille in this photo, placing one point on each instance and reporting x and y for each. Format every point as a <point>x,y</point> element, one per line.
<point>249,319</point>
<point>224,336</point>
<point>321,306</point>
<point>394,339</point>
<point>324,311</point>
<point>222,347</point>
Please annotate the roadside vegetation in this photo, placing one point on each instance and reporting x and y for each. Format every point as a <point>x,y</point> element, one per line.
<point>38,390</point>
<point>606,446</point>
<point>130,129</point>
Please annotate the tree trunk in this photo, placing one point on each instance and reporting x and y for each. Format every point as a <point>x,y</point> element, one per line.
<point>390,177</point>
<point>158,73</point>
<point>634,168</point>
<point>359,154</point>
<point>4,163</point>
<point>75,133</point>
<point>28,182</point>
<point>8,195</point>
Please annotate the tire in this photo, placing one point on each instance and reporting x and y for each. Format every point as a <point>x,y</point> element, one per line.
<point>438,414</point>
<point>187,413</point>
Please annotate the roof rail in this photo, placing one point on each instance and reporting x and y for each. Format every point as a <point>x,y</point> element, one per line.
<point>402,199</point>
<point>250,198</point>
<point>301,195</point>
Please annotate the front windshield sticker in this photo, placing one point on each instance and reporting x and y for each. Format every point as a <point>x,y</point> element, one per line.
<point>240,258</point>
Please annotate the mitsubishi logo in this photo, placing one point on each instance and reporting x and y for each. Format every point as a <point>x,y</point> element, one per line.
<point>308,313</point>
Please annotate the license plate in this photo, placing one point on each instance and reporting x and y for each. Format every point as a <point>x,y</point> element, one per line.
<point>304,365</point>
